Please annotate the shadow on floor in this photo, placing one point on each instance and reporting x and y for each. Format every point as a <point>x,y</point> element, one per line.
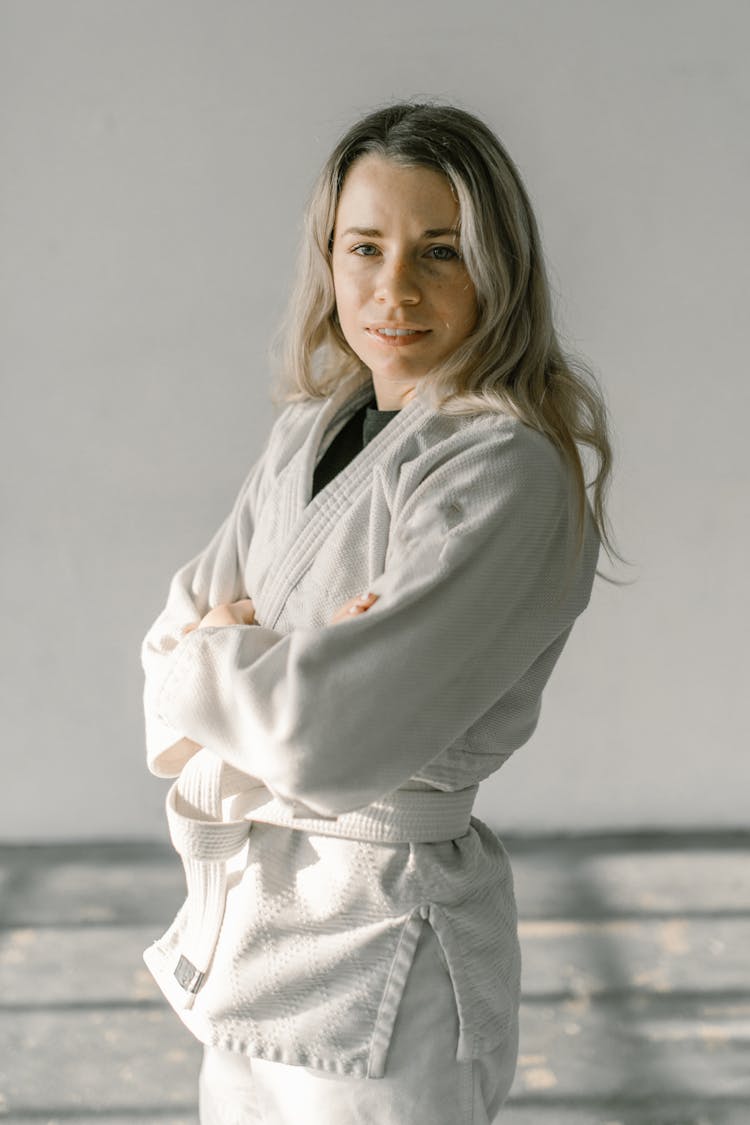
<point>636,1000</point>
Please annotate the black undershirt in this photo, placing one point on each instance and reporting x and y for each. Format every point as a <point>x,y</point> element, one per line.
<point>361,428</point>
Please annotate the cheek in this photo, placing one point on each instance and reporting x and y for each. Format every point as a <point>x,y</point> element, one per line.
<point>349,291</point>
<point>457,306</point>
<point>466,303</point>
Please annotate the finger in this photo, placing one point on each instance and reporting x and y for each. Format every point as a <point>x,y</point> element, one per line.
<point>360,605</point>
<point>353,607</point>
<point>344,611</point>
<point>244,610</point>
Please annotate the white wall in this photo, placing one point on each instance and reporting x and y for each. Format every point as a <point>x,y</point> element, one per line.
<point>155,157</point>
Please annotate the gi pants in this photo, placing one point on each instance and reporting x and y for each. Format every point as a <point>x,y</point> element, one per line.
<point>423,1083</point>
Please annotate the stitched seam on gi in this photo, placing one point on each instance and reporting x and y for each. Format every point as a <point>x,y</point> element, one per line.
<point>392,993</point>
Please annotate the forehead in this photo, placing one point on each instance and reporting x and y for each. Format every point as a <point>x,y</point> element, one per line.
<point>377,191</point>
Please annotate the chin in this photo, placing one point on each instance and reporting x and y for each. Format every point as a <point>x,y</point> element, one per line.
<point>396,365</point>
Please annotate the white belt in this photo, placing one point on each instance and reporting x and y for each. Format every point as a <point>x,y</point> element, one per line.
<point>205,841</point>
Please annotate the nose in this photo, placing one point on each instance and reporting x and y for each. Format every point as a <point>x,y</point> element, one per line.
<point>396,283</point>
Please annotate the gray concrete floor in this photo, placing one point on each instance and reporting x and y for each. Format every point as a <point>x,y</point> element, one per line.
<point>636,1006</point>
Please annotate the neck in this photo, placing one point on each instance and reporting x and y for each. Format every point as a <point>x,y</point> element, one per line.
<point>392,396</point>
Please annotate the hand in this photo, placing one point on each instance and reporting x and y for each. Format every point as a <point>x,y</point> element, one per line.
<point>354,607</point>
<point>234,613</point>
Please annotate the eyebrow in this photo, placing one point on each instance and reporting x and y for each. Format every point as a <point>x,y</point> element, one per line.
<point>371,232</point>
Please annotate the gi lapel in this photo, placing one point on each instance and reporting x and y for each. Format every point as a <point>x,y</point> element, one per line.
<point>309,519</point>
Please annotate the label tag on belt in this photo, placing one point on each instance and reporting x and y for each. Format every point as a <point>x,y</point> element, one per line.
<point>188,976</point>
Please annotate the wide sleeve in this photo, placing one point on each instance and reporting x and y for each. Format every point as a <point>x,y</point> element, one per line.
<point>213,577</point>
<point>481,577</point>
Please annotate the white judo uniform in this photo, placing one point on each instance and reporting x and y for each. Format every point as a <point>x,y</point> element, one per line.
<point>327,818</point>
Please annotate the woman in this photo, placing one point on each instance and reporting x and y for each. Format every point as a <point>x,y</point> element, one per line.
<point>367,637</point>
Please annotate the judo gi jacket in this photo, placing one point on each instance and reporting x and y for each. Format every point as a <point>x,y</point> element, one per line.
<point>327,814</point>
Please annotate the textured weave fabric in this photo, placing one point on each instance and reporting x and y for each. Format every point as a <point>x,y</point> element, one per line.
<point>463,525</point>
<point>424,1083</point>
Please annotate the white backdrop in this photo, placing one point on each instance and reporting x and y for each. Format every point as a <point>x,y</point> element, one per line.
<point>155,156</point>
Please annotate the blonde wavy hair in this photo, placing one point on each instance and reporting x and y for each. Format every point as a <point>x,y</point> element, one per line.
<point>512,360</point>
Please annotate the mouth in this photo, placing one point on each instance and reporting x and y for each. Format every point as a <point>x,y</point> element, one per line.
<point>397,337</point>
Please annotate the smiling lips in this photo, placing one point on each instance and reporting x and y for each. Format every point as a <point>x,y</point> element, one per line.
<point>397,337</point>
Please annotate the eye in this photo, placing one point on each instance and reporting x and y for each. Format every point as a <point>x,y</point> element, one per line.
<point>365,250</point>
<point>442,253</point>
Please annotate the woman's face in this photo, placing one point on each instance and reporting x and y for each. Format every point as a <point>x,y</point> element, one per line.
<point>404,298</point>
